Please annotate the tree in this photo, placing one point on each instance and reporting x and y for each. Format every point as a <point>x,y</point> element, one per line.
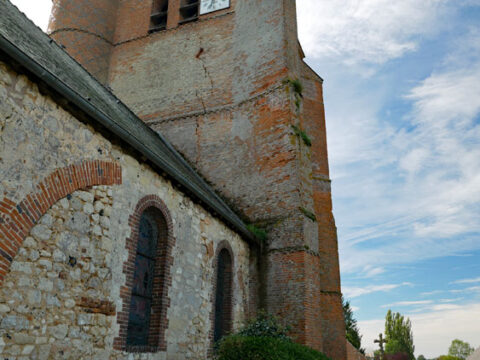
<point>353,334</point>
<point>448,357</point>
<point>421,357</point>
<point>398,332</point>
<point>460,349</point>
<point>394,346</point>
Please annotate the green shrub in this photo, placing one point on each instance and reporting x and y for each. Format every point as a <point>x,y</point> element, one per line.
<point>265,325</point>
<point>238,347</point>
<point>264,339</point>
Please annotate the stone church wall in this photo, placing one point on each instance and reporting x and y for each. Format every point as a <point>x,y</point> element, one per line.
<point>63,282</point>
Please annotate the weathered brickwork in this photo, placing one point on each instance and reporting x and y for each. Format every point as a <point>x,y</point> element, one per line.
<point>63,291</point>
<point>353,353</point>
<point>88,29</point>
<point>221,90</point>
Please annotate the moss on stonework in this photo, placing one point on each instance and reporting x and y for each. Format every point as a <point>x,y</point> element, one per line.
<point>296,85</point>
<point>259,233</point>
<point>297,89</point>
<point>308,214</point>
<point>302,135</point>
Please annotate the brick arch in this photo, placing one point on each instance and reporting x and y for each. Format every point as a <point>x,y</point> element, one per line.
<point>18,218</point>
<point>164,262</point>
<point>223,245</point>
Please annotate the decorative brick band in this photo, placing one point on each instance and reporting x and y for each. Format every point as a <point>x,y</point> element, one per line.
<point>96,306</point>
<point>54,32</point>
<point>295,249</point>
<point>161,283</point>
<point>218,109</point>
<point>17,219</point>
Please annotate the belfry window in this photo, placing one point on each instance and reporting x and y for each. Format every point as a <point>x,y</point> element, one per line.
<point>188,10</point>
<point>141,329</point>
<point>158,18</point>
<point>223,296</point>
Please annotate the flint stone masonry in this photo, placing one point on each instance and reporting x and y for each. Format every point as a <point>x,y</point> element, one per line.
<point>60,296</point>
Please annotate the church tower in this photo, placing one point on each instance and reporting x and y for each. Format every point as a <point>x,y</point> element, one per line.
<point>224,81</point>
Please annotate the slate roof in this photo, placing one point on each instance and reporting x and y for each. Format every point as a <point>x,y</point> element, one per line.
<point>475,355</point>
<point>35,51</point>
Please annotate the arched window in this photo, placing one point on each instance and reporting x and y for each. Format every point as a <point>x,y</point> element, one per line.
<point>223,296</point>
<point>142,319</point>
<point>145,301</point>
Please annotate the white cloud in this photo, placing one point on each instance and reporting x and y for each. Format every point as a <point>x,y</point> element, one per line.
<point>353,292</point>
<point>471,289</point>
<point>450,300</point>
<point>430,293</point>
<point>407,303</point>
<point>37,10</point>
<point>370,31</point>
<point>371,271</point>
<point>434,330</point>
<point>467,281</point>
<point>417,182</point>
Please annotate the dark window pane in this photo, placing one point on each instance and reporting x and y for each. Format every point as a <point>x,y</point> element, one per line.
<point>143,278</point>
<point>158,19</point>
<point>147,236</point>
<point>141,302</point>
<point>139,321</point>
<point>222,296</point>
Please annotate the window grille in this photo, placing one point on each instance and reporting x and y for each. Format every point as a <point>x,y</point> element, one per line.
<point>223,296</point>
<point>159,16</point>
<point>188,10</point>
<point>142,292</point>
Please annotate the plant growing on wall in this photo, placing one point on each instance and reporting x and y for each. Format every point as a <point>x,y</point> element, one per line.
<point>302,135</point>
<point>297,87</point>
<point>308,214</point>
<point>259,233</point>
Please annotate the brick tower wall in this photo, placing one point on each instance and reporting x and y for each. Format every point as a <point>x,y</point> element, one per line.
<point>86,29</point>
<point>313,118</point>
<point>215,88</point>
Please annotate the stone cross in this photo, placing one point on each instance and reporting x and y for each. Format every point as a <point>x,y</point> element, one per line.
<point>380,342</point>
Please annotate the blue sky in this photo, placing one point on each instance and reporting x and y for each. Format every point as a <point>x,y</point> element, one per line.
<point>402,95</point>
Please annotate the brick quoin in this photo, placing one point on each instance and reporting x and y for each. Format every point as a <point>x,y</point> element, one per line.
<point>162,278</point>
<point>17,219</point>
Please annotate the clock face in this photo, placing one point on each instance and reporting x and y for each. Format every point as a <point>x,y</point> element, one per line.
<point>208,6</point>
